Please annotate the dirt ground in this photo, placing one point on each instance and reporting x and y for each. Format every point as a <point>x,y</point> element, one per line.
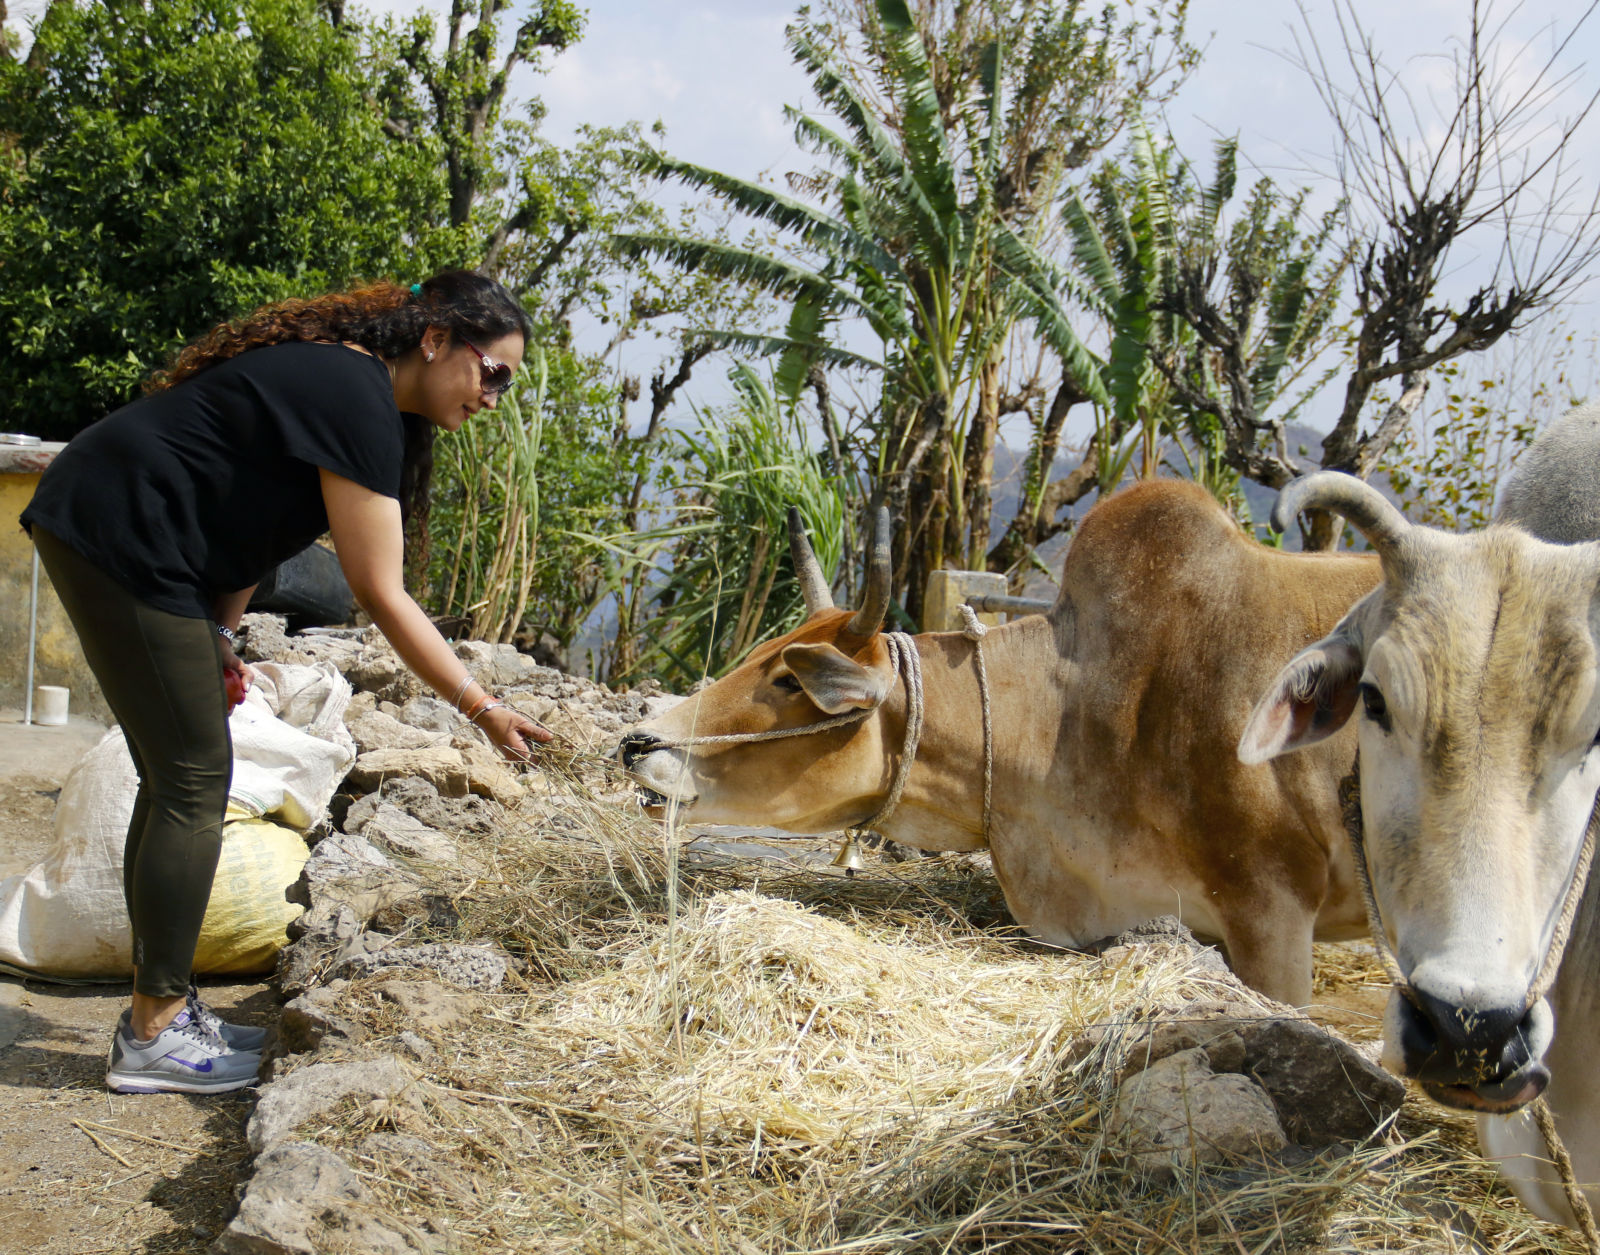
<point>84,1171</point>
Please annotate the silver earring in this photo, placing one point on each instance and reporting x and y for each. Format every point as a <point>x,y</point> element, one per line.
<point>430,357</point>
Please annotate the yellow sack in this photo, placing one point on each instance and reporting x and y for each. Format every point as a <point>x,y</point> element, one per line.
<point>245,923</point>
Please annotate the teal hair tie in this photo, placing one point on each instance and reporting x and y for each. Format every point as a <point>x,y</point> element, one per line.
<point>416,289</point>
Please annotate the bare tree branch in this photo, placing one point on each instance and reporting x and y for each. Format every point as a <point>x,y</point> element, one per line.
<point>1501,162</point>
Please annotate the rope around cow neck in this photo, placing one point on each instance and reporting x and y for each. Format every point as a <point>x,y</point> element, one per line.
<point>1350,807</point>
<point>975,631</point>
<point>906,662</point>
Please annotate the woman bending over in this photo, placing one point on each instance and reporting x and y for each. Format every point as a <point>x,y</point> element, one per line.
<point>156,523</point>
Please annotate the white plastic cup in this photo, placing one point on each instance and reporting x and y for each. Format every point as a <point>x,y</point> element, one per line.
<point>50,704</point>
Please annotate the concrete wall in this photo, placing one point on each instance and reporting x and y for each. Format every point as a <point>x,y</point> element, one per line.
<point>57,656</point>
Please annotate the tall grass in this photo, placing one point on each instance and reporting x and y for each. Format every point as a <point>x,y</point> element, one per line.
<point>725,582</point>
<point>495,458</point>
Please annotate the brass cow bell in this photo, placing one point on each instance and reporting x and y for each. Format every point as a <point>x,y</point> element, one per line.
<point>850,856</point>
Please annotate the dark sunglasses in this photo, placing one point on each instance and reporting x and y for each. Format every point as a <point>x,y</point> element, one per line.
<point>497,376</point>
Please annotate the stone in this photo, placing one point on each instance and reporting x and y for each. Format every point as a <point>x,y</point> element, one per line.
<point>394,831</point>
<point>290,1186</point>
<point>351,871</point>
<point>342,856</point>
<point>1161,935</point>
<point>471,967</point>
<point>378,731</point>
<point>1178,1113</point>
<point>314,1018</point>
<point>377,669</point>
<point>443,768</point>
<point>331,921</point>
<point>262,637</point>
<point>1221,1041</point>
<point>1324,1088</point>
<point>334,934</point>
<point>436,912</point>
<point>305,1200</point>
<point>498,666</point>
<point>429,714</point>
<point>490,776</point>
<point>458,816</point>
<point>536,706</point>
<point>428,1005</point>
<point>362,809</point>
<point>316,1089</point>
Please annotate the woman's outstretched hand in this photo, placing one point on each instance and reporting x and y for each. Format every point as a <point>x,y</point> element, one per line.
<point>513,733</point>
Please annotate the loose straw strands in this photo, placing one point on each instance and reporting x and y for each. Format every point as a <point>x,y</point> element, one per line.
<point>799,1062</point>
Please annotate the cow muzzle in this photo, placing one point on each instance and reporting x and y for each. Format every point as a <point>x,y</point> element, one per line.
<point>662,773</point>
<point>1488,1060</point>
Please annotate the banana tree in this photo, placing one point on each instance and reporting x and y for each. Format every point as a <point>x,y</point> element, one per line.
<point>907,248</point>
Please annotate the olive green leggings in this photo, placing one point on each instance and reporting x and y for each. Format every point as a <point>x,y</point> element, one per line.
<point>161,675</point>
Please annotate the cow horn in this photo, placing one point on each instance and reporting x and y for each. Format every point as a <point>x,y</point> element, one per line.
<point>869,618</point>
<point>1372,514</point>
<point>813,583</point>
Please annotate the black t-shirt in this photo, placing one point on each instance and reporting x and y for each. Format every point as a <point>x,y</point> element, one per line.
<point>206,487</point>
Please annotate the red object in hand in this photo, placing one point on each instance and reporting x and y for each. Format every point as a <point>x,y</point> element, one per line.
<point>234,683</point>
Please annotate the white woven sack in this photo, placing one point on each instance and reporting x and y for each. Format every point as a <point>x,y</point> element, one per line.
<point>290,746</point>
<point>64,919</point>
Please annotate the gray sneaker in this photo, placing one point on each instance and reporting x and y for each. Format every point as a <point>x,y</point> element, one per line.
<point>237,1036</point>
<point>183,1058</point>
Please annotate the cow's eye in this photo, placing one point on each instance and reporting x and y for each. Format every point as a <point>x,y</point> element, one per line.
<point>1373,705</point>
<point>786,682</point>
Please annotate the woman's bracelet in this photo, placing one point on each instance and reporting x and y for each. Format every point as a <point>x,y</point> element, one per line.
<point>226,632</point>
<point>483,704</point>
<point>461,691</point>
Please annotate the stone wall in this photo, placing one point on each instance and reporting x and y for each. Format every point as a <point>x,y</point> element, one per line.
<point>58,659</point>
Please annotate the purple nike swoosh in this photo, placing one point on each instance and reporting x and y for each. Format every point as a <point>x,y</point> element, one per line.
<point>194,1067</point>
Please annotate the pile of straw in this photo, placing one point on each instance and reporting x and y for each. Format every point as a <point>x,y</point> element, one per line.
<point>749,1059</point>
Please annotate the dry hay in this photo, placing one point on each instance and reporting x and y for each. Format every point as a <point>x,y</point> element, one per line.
<point>737,1060</point>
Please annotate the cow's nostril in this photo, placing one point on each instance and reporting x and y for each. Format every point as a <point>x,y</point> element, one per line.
<point>636,745</point>
<point>1445,1042</point>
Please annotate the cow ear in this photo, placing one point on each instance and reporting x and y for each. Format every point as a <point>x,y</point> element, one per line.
<point>1312,698</point>
<point>834,681</point>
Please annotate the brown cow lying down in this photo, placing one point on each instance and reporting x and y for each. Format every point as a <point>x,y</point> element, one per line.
<point>1117,796</point>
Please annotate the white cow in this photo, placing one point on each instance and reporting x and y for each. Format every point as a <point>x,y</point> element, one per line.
<point>1474,668</point>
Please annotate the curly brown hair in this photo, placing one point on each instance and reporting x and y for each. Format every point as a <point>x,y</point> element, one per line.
<point>383,317</point>
<point>387,319</point>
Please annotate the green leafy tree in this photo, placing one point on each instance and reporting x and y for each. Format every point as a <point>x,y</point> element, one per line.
<point>465,83</point>
<point>1259,296</point>
<point>1213,315</point>
<point>178,162</point>
<point>908,252</point>
<point>1448,466</point>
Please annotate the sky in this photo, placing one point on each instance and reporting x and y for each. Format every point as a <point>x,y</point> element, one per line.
<point>716,73</point>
